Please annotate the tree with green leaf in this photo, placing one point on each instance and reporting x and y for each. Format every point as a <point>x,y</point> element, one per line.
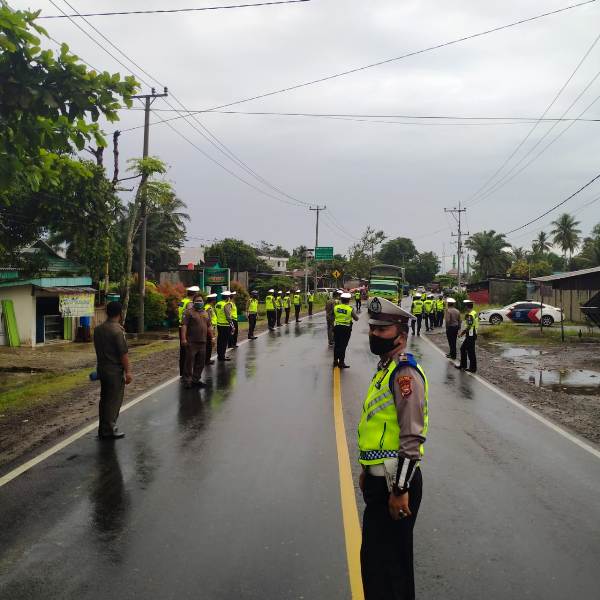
<point>491,256</point>
<point>422,268</point>
<point>236,255</point>
<point>541,245</point>
<point>397,251</point>
<point>566,234</point>
<point>50,105</point>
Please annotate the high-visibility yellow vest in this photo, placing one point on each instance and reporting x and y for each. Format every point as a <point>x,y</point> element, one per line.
<point>378,430</point>
<point>278,302</point>
<point>428,306</point>
<point>269,302</point>
<point>440,304</point>
<point>181,308</point>
<point>220,312</point>
<point>210,309</point>
<point>233,310</point>
<point>417,307</point>
<point>296,299</point>
<point>342,314</point>
<point>286,302</point>
<point>253,306</point>
<point>311,297</point>
<point>475,317</point>
<point>357,295</point>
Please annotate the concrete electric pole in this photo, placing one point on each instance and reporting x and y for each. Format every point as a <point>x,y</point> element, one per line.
<point>457,213</point>
<point>148,100</point>
<point>318,209</point>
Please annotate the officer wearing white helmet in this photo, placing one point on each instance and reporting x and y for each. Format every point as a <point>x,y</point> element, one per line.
<point>391,434</point>
<point>181,308</point>
<point>224,325</point>
<point>452,320</point>
<point>467,348</point>
<point>211,300</point>
<point>343,315</point>
<point>297,302</point>
<point>270,308</point>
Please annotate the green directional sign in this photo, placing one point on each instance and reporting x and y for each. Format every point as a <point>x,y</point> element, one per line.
<point>324,253</point>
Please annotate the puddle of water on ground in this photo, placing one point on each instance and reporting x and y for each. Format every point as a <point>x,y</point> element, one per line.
<point>512,352</point>
<point>578,382</point>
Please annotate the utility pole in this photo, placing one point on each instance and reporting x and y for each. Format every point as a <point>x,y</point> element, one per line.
<point>148,101</point>
<point>318,209</point>
<point>457,213</point>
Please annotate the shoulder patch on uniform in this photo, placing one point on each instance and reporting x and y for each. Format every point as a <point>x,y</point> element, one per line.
<point>405,382</point>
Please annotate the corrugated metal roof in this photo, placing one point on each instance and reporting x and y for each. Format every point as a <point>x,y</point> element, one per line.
<point>567,275</point>
<point>66,290</point>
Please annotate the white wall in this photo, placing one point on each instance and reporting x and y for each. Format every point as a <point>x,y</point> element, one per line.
<point>24,305</point>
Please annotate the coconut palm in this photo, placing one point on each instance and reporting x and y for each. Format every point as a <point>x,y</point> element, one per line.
<point>565,233</point>
<point>541,244</point>
<point>490,253</point>
<point>519,253</point>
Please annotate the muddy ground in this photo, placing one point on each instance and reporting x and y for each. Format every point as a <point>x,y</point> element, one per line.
<point>561,382</point>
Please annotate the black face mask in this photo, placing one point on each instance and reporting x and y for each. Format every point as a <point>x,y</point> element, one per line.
<point>381,346</point>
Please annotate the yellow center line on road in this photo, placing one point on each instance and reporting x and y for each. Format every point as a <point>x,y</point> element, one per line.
<point>352,530</point>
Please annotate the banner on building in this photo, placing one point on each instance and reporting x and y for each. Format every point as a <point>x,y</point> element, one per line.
<point>76,305</point>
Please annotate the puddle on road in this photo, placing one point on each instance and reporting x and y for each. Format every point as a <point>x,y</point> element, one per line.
<point>510,352</point>
<point>578,382</point>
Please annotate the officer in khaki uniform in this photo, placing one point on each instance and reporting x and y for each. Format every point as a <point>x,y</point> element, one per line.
<point>391,434</point>
<point>183,304</point>
<point>196,330</point>
<point>113,369</point>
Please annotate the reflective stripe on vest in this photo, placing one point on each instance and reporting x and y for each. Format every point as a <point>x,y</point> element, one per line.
<point>253,306</point>
<point>233,312</point>
<point>220,312</point>
<point>428,306</point>
<point>440,304</point>
<point>378,430</point>
<point>181,308</point>
<point>278,302</point>
<point>417,307</point>
<point>343,314</point>
<point>475,317</point>
<point>296,299</point>
<point>269,304</point>
<point>286,302</point>
<point>311,297</point>
<point>210,309</point>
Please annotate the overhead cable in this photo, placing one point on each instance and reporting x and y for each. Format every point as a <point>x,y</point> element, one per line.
<point>171,10</point>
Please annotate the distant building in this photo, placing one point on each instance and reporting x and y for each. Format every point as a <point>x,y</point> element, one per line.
<point>277,263</point>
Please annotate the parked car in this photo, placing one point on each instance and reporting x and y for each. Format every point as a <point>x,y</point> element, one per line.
<point>522,312</point>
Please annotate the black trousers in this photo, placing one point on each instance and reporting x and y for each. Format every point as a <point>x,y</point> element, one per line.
<point>386,554</point>
<point>467,350</point>
<point>271,319</point>
<point>440,318</point>
<point>278,314</point>
<point>358,305</point>
<point>428,321</point>
<point>452,335</point>
<point>209,349</point>
<point>297,311</point>
<point>287,316</point>
<point>310,307</point>
<point>341,337</point>
<point>418,321</point>
<point>233,336</point>
<point>181,355</point>
<point>251,324</point>
<point>112,388</point>
<point>223,333</point>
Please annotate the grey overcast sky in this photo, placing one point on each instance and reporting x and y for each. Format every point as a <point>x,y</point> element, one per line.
<point>393,176</point>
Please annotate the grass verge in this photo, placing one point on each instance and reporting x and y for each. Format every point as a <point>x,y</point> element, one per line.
<point>510,333</point>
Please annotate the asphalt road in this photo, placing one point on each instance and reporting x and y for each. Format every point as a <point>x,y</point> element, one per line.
<point>234,491</point>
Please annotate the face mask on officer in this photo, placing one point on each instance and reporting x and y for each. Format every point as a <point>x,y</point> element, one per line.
<point>384,345</point>
<point>198,305</point>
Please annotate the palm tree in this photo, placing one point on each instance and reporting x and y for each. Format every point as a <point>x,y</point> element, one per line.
<point>490,252</point>
<point>519,253</point>
<point>565,233</point>
<point>541,244</point>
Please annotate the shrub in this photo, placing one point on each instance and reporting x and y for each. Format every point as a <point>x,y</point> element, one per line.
<point>155,309</point>
<point>241,296</point>
<point>172,293</point>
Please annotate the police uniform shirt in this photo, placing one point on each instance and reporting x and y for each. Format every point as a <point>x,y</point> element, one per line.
<point>110,345</point>
<point>452,317</point>
<point>409,397</point>
<point>329,305</point>
<point>198,326</point>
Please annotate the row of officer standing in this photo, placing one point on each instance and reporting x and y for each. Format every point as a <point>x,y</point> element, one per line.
<point>276,304</point>
<point>429,308</point>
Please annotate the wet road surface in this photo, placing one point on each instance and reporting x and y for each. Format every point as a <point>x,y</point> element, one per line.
<point>233,491</point>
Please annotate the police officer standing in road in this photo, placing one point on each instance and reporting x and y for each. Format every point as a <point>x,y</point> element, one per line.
<point>357,300</point>
<point>252,312</point>
<point>270,308</point>
<point>428,310</point>
<point>329,316</point>
<point>440,310</point>
<point>297,300</point>
<point>310,298</point>
<point>209,306</point>
<point>417,311</point>
<point>195,332</point>
<point>233,338</point>
<point>287,305</point>
<point>467,349</point>
<point>279,307</point>
<point>391,481</point>
<point>224,325</point>
<point>452,318</point>
<point>183,304</point>
<point>342,329</point>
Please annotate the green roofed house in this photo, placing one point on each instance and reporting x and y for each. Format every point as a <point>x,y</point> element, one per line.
<point>48,306</point>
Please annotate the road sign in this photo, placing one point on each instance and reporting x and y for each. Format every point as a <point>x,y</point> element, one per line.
<point>336,274</point>
<point>324,253</point>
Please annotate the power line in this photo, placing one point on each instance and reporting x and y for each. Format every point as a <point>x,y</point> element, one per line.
<point>583,187</point>
<point>401,57</point>
<point>540,120</point>
<point>171,10</point>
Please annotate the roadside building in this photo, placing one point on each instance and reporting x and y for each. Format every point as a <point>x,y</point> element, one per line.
<point>277,263</point>
<point>569,291</point>
<point>49,306</point>
<point>494,290</point>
